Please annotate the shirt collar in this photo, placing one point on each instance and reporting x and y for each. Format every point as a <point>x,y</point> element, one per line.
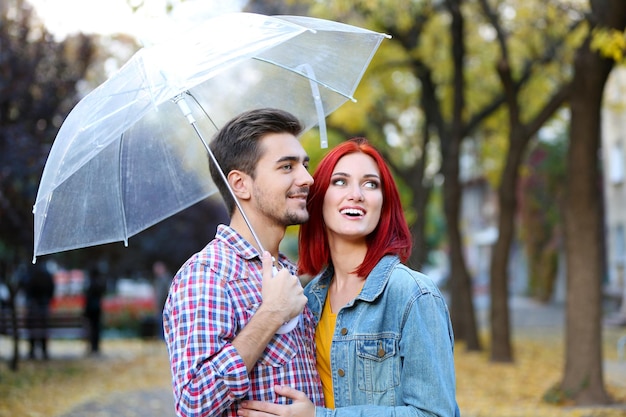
<point>244,248</point>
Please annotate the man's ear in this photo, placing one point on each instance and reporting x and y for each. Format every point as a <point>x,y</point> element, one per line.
<point>241,184</point>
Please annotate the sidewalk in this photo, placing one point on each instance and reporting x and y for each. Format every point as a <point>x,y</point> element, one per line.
<point>526,316</point>
<point>146,403</point>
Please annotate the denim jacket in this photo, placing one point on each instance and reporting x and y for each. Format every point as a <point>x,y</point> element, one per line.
<point>392,350</point>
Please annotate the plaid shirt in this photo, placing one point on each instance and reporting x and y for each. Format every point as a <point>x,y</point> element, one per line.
<point>212,297</point>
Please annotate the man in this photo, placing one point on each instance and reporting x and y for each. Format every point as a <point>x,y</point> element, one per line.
<point>224,307</point>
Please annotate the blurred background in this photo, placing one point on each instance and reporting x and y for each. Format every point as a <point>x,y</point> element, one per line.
<point>503,121</point>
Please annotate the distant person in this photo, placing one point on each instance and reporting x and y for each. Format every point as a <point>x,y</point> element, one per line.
<point>95,289</point>
<point>162,281</point>
<point>39,290</point>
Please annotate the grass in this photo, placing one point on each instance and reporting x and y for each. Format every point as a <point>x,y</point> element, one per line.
<point>53,388</point>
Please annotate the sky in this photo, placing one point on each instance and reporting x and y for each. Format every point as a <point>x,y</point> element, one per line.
<point>64,17</point>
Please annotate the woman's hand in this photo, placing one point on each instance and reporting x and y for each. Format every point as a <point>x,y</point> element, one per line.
<point>301,406</point>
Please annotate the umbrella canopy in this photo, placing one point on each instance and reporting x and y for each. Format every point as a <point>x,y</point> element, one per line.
<point>126,157</point>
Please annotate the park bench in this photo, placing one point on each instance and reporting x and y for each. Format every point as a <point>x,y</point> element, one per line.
<point>60,325</point>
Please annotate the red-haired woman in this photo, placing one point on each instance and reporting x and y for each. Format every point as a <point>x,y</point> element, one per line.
<point>384,339</point>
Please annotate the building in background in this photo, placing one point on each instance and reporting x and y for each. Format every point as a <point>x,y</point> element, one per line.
<point>614,178</point>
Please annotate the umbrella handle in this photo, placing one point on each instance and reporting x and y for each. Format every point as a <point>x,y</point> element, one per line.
<point>288,325</point>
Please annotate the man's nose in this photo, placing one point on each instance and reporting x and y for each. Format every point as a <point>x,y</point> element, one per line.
<point>304,177</point>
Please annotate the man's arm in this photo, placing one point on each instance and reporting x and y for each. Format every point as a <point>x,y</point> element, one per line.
<point>283,299</point>
<point>210,373</point>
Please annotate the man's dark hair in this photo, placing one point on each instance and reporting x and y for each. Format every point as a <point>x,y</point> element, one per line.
<point>236,145</point>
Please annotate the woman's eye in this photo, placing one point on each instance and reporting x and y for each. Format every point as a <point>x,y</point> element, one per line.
<point>371,184</point>
<point>339,181</point>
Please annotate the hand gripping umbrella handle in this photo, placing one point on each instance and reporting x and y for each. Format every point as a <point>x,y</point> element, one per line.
<point>291,324</point>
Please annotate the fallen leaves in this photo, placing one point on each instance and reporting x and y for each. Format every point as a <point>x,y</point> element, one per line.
<point>484,389</point>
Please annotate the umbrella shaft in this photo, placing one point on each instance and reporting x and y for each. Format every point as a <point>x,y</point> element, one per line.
<point>184,108</point>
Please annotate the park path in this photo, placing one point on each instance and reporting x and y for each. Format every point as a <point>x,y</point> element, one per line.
<point>527,317</point>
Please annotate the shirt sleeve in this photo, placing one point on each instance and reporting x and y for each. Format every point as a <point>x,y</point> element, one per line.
<point>200,323</point>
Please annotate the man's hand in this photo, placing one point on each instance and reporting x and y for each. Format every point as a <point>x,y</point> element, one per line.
<point>283,298</point>
<point>283,295</point>
<point>300,407</point>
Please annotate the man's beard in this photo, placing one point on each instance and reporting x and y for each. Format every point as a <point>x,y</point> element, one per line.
<point>280,215</point>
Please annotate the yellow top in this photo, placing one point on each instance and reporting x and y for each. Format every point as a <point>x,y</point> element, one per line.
<point>323,341</point>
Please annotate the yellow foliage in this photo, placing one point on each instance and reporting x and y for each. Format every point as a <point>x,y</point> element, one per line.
<point>486,389</point>
<point>610,43</point>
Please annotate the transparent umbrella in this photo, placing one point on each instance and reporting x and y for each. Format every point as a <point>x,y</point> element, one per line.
<point>126,156</point>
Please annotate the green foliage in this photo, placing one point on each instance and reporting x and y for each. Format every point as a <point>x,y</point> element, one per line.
<point>556,395</point>
<point>436,231</point>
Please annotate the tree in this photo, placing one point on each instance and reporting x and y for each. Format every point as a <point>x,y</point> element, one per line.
<point>432,38</point>
<point>37,89</point>
<point>524,120</point>
<point>583,377</point>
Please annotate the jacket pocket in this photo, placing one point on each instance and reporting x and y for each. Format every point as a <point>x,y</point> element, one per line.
<point>378,365</point>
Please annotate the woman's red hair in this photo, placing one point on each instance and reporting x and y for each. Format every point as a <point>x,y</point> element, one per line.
<point>391,236</point>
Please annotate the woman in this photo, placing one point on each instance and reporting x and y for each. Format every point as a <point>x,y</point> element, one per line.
<point>384,339</point>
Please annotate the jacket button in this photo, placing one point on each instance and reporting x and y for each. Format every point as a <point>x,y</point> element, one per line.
<point>341,372</point>
<point>344,331</point>
<point>381,352</point>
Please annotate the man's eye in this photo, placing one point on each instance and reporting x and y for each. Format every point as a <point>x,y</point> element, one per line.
<point>287,167</point>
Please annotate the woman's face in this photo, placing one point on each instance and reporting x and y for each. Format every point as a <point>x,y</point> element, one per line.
<point>354,199</point>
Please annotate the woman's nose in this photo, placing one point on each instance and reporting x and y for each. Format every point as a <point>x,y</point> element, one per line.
<point>356,193</point>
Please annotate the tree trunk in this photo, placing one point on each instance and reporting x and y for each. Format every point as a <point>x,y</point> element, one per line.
<point>462,306</point>
<point>520,136</point>
<point>583,375</point>
<point>419,255</point>
<point>499,280</point>
<point>421,194</point>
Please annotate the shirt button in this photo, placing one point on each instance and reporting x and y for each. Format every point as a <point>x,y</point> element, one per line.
<point>344,331</point>
<point>341,372</point>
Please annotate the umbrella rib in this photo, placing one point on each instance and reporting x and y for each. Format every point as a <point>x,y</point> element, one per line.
<point>120,195</point>
<point>349,97</point>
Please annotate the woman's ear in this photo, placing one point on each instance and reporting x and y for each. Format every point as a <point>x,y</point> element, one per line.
<point>241,184</point>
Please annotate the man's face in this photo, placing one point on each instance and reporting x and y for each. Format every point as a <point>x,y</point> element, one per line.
<point>282,182</point>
